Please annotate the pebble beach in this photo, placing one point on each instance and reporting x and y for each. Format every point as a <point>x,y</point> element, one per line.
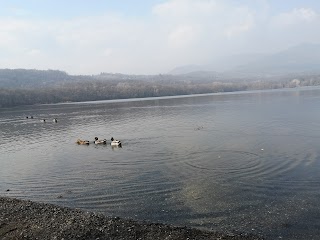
<point>22,219</point>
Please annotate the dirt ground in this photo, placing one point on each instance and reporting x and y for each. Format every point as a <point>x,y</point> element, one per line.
<point>20,219</point>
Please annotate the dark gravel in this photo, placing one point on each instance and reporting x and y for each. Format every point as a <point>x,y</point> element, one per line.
<point>20,219</point>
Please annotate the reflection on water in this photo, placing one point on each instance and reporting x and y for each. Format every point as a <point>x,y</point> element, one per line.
<point>230,162</point>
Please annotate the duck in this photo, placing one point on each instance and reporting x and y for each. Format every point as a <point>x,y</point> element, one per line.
<point>42,120</point>
<point>82,142</point>
<point>115,142</point>
<point>55,120</point>
<point>97,141</point>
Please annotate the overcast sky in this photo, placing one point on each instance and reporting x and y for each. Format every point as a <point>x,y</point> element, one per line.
<point>147,36</point>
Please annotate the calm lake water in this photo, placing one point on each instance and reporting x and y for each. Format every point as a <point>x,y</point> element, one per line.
<point>246,162</point>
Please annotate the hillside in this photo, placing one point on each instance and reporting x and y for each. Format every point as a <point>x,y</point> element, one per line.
<point>298,59</point>
<point>303,58</point>
<point>31,78</point>
<point>293,67</point>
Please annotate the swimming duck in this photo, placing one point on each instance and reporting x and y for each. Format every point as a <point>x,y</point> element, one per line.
<point>115,142</point>
<point>82,142</point>
<point>97,141</point>
<point>42,120</point>
<point>55,120</point>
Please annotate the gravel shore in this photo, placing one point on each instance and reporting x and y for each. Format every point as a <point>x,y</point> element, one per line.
<point>20,219</point>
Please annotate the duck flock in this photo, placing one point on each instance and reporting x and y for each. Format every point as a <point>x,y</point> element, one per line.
<point>97,141</point>
<point>43,120</point>
<point>113,142</point>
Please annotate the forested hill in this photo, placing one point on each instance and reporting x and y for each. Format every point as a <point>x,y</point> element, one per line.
<point>24,78</point>
<point>31,78</point>
<point>27,87</point>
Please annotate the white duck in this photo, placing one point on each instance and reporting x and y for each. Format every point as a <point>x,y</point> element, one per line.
<point>115,142</point>
<point>97,141</point>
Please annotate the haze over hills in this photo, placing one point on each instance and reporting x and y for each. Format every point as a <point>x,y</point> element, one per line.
<point>301,58</point>
<point>223,64</point>
<point>294,67</point>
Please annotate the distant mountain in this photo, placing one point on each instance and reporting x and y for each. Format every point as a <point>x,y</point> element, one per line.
<point>303,58</point>
<point>31,78</point>
<point>228,63</point>
<point>188,69</point>
<point>220,65</point>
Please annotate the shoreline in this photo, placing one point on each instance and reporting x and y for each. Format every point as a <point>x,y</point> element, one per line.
<point>137,99</point>
<point>24,219</point>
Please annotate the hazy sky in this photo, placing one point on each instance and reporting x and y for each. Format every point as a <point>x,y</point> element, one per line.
<point>147,36</point>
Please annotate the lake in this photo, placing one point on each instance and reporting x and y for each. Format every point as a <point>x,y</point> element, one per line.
<point>246,161</point>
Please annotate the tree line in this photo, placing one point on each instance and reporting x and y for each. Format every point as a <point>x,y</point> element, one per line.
<point>66,88</point>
